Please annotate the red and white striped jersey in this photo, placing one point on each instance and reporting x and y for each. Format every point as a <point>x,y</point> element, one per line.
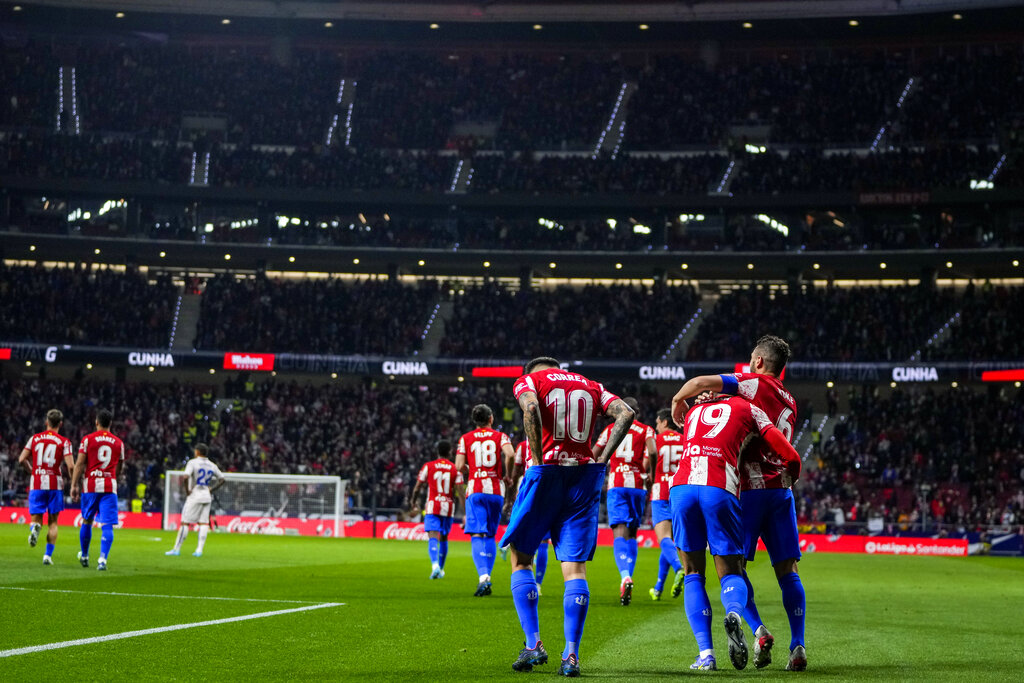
<point>482,450</point>
<point>568,403</point>
<point>48,449</point>
<point>522,456</point>
<point>761,467</point>
<point>441,478</point>
<point>669,445</point>
<point>103,452</point>
<point>715,434</point>
<point>626,464</point>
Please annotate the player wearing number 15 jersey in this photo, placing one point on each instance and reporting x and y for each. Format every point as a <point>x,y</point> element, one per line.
<point>668,445</point>
<point>480,458</point>
<point>43,455</point>
<point>443,484</point>
<point>100,459</point>
<point>560,494</point>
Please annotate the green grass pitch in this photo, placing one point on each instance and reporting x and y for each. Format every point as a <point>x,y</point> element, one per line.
<point>869,618</point>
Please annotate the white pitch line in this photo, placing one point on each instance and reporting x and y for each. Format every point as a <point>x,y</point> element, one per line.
<point>152,595</point>
<point>161,629</point>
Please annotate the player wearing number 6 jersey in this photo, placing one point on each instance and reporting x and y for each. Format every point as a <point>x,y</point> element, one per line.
<point>769,511</point>
<point>202,478</point>
<point>443,484</point>
<point>479,458</point>
<point>627,493</point>
<point>42,456</point>
<point>668,450</point>
<point>100,459</point>
<point>561,495</point>
<point>706,513</point>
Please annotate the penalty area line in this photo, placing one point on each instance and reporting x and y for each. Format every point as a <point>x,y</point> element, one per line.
<point>154,595</point>
<point>160,629</point>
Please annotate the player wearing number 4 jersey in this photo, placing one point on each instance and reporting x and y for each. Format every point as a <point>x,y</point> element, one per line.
<point>561,495</point>
<point>43,455</point>
<point>480,458</point>
<point>100,459</point>
<point>202,478</point>
<point>443,484</point>
<point>627,493</point>
<point>766,498</point>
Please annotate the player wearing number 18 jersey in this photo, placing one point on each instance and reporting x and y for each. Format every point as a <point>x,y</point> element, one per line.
<point>43,455</point>
<point>560,494</point>
<point>100,459</point>
<point>479,458</point>
<point>443,484</point>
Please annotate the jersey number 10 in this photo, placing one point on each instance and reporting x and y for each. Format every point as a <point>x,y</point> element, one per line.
<point>573,415</point>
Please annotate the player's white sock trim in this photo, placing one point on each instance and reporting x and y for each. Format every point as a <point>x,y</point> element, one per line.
<point>707,653</point>
<point>485,577</point>
<point>761,631</point>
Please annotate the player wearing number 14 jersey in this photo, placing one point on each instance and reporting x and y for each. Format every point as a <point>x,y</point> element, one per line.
<point>480,457</point>
<point>100,459</point>
<point>442,483</point>
<point>43,455</point>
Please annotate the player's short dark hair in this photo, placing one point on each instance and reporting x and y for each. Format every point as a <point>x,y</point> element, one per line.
<point>666,415</point>
<point>202,449</point>
<point>634,404</point>
<point>540,360</point>
<point>775,352</point>
<point>444,448</point>
<point>482,414</point>
<point>104,418</point>
<point>54,417</point>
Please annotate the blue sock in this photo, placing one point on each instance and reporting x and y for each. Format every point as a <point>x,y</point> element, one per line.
<point>734,593</point>
<point>491,554</point>
<point>750,614</point>
<point>85,537</point>
<point>698,610</point>
<point>432,549</point>
<point>620,546</point>
<point>524,597</point>
<point>106,539</point>
<point>49,549</point>
<point>631,549</point>
<point>476,543</point>
<point>659,585</point>
<point>442,551</point>
<point>795,602</point>
<point>671,555</point>
<point>575,604</point>
<point>541,562</point>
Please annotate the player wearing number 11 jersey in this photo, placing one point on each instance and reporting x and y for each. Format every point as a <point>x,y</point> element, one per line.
<point>480,457</point>
<point>100,459</point>
<point>43,455</point>
<point>443,484</point>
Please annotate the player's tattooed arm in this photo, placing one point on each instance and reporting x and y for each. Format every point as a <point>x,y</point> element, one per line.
<point>531,423</point>
<point>623,416</point>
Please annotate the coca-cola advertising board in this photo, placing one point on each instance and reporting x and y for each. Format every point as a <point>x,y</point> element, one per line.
<point>266,526</point>
<point>73,517</point>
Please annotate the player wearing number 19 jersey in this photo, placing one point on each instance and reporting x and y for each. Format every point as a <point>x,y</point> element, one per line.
<point>100,459</point>
<point>443,483</point>
<point>480,458</point>
<point>43,455</point>
<point>561,495</point>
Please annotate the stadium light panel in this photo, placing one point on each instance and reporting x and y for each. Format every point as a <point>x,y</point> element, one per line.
<point>817,266</point>
<point>422,262</point>
<point>32,247</point>
<point>225,21</point>
<point>435,26</point>
<point>957,16</point>
<point>618,266</point>
<point>830,384</point>
<point>119,15</point>
<point>643,27</point>
<point>88,366</point>
<point>227,257</point>
<point>96,251</point>
<point>355,262</point>
<point>163,254</point>
<point>537,27</point>
<point>747,24</point>
<point>552,265</point>
<point>16,8</point>
<point>291,259</point>
<point>328,24</point>
<point>854,23</point>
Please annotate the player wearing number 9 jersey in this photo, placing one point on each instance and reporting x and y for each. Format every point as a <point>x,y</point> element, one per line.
<point>100,459</point>
<point>560,494</point>
<point>43,455</point>
<point>766,499</point>
<point>443,484</point>
<point>479,458</point>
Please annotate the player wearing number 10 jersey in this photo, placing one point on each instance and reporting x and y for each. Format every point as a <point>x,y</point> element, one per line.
<point>100,459</point>
<point>43,455</point>
<point>443,484</point>
<point>561,495</point>
<point>480,458</point>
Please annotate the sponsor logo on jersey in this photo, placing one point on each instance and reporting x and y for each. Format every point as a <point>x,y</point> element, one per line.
<point>662,372</point>
<point>914,374</point>
<point>162,360</point>
<point>393,367</point>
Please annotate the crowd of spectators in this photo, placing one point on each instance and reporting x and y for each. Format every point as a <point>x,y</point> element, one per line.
<point>86,305</point>
<point>29,75</point>
<point>313,316</point>
<point>988,327</point>
<point>640,322</point>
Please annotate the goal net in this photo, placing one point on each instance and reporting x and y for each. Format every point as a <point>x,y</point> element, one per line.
<point>276,504</point>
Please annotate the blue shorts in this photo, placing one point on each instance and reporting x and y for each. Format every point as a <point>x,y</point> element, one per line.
<point>706,516</point>
<point>661,511</point>
<point>483,512</point>
<point>626,506</point>
<point>563,501</point>
<point>101,507</point>
<point>770,514</point>
<point>437,523</point>
<point>45,501</point>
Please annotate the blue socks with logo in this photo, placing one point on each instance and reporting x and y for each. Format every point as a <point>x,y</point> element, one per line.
<point>106,539</point>
<point>442,552</point>
<point>734,593</point>
<point>524,597</point>
<point>541,562</point>
<point>433,546</point>
<point>659,585</point>
<point>623,559</point>
<point>490,554</point>
<point>49,549</point>
<point>575,603</point>
<point>698,610</point>
<point>750,614</point>
<point>85,537</point>
<point>478,545</point>
<point>795,602</point>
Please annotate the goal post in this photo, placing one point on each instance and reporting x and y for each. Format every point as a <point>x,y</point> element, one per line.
<point>274,504</point>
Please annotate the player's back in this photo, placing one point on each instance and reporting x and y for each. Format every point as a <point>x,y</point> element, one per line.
<point>715,433</point>
<point>669,446</point>
<point>626,463</point>
<point>103,452</point>
<point>48,451</point>
<point>442,479</point>
<point>201,473</point>
<point>764,469</point>
<point>568,403</point>
<point>482,449</point>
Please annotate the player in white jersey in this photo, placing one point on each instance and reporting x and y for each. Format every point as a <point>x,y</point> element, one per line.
<point>204,478</point>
